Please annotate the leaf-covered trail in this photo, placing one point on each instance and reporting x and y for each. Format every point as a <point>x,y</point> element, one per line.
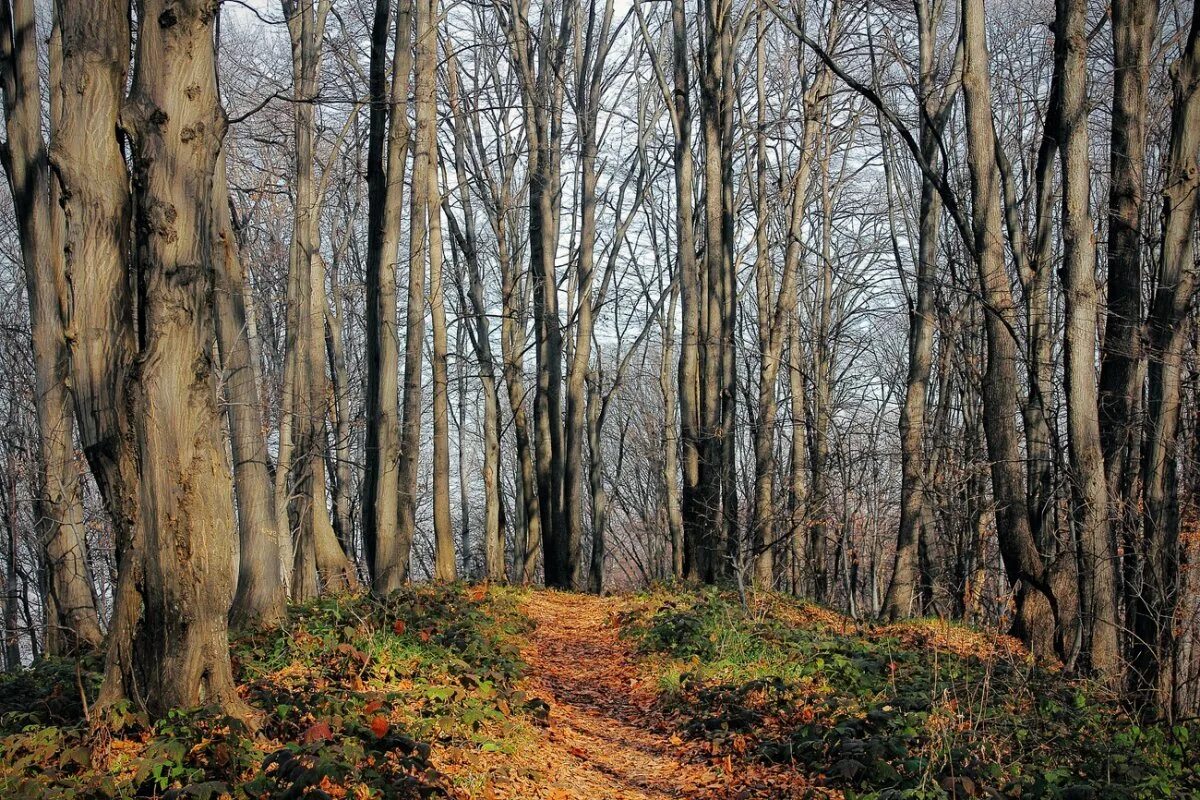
<point>605,739</point>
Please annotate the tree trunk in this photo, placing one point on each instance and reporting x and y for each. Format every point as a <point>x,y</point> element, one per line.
<point>1133,27</point>
<point>493,530</point>
<point>903,598</point>
<point>98,293</point>
<point>261,596</point>
<point>425,98</point>
<point>320,564</point>
<point>172,651</point>
<point>387,552</point>
<point>74,624</point>
<point>1098,576</point>
<point>1036,622</point>
<point>1154,640</point>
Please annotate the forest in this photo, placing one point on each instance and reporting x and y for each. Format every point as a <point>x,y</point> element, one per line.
<point>799,358</point>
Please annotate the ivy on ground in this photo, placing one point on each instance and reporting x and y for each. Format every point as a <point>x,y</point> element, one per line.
<point>917,710</point>
<point>356,694</point>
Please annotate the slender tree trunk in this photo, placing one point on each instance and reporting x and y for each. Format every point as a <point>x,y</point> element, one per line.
<point>493,529</point>
<point>414,326</point>
<point>670,437</point>
<point>445,568</point>
<point>717,267</point>
<point>320,564</point>
<point>1154,639</point>
<point>1098,575</point>
<point>261,596</point>
<point>1037,621</point>
<point>903,598</point>
<point>798,486</point>
<point>596,408</point>
<point>387,551</point>
<point>1121,366</point>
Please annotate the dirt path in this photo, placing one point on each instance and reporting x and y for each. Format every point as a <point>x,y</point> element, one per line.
<point>604,741</point>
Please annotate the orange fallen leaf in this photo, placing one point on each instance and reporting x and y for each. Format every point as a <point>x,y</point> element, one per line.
<point>317,732</point>
<point>398,627</point>
<point>379,726</point>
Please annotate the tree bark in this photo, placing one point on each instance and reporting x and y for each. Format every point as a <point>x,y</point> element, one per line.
<point>1098,575</point>
<point>172,649</point>
<point>1036,622</point>
<point>74,624</point>
<point>1154,639</point>
<point>903,596</point>
<point>387,553</point>
<point>445,566</point>
<point>261,596</point>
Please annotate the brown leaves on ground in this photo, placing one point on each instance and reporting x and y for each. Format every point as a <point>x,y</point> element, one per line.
<point>605,738</point>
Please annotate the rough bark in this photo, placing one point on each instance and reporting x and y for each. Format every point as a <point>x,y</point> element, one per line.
<point>171,649</point>
<point>73,624</point>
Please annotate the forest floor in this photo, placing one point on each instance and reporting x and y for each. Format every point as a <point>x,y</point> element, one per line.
<point>477,692</point>
<point>607,737</point>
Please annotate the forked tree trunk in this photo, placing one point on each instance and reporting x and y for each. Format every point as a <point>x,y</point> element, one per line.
<point>71,623</point>
<point>387,150</point>
<point>1098,574</point>
<point>1155,633</point>
<point>320,565</point>
<point>465,236</point>
<point>445,563</point>
<point>1037,621</point>
<point>172,649</point>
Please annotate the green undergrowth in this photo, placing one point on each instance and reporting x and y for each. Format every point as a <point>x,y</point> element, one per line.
<point>919,710</point>
<point>359,698</point>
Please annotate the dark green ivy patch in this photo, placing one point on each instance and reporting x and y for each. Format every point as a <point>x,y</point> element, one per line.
<point>356,694</point>
<point>898,712</point>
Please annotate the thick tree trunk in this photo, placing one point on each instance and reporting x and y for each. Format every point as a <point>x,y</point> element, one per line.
<point>172,650</point>
<point>1154,640</point>
<point>74,624</point>
<point>98,293</point>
